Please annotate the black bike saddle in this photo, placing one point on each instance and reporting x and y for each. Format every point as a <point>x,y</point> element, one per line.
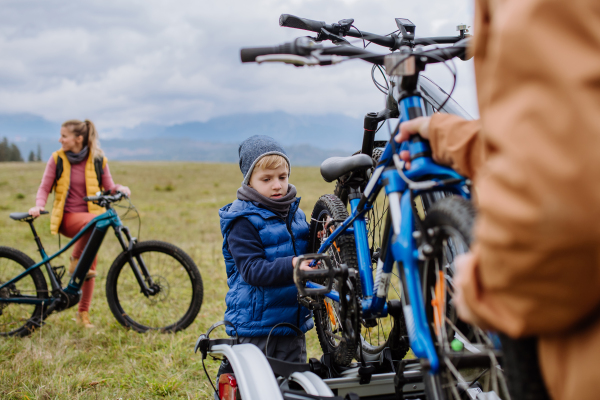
<point>335,167</point>
<point>24,216</point>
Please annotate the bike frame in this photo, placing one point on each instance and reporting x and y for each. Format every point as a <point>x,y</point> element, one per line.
<point>98,227</point>
<point>404,250</point>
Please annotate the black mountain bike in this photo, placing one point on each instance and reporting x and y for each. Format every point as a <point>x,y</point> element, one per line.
<point>151,285</point>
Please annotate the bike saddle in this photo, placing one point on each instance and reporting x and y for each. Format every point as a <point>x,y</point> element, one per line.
<point>335,167</point>
<point>24,216</point>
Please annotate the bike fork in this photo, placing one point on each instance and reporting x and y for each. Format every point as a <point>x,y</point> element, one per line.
<point>404,251</point>
<point>136,263</point>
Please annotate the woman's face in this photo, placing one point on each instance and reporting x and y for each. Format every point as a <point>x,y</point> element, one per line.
<point>69,141</point>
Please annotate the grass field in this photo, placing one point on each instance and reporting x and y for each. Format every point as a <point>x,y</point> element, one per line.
<point>178,203</point>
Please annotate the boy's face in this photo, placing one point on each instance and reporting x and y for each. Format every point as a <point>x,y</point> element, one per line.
<point>272,183</point>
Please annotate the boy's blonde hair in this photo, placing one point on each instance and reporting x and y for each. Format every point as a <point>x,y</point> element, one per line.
<point>272,161</point>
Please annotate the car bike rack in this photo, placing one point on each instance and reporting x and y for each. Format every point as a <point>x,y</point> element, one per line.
<point>256,379</point>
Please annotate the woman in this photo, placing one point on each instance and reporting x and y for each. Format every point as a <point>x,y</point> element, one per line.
<point>77,170</point>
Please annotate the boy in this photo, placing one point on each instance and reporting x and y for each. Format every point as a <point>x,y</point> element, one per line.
<point>263,233</point>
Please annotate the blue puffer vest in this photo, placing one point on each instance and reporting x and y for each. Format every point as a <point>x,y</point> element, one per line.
<point>255,310</point>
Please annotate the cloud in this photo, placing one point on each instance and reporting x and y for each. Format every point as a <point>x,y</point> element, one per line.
<point>122,63</point>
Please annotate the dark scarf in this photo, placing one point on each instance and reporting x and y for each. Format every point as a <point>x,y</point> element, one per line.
<point>76,158</point>
<point>280,206</point>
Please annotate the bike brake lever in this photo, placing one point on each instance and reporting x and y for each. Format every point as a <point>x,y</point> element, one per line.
<point>288,59</point>
<point>300,61</point>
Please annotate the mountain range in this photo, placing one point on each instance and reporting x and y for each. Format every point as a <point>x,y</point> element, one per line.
<point>309,139</point>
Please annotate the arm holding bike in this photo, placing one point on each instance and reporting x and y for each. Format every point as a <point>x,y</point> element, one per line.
<point>249,255</point>
<point>44,189</point>
<point>454,141</point>
<point>108,184</point>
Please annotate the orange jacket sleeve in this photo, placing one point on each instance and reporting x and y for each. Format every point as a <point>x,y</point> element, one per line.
<point>456,142</point>
<point>537,67</point>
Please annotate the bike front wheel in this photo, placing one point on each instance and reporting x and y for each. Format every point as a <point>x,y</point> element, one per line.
<point>469,357</point>
<point>174,281</point>
<point>20,319</point>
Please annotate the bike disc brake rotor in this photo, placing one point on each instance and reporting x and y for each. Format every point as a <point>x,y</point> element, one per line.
<point>161,287</point>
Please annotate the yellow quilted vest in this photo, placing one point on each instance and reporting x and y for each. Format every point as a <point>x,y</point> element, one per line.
<point>61,189</point>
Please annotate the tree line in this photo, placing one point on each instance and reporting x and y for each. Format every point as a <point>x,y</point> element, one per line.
<point>10,152</point>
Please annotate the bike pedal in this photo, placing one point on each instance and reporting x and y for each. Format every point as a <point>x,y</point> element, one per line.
<point>309,303</point>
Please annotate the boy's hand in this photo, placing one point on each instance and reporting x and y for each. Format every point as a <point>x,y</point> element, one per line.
<point>305,266</point>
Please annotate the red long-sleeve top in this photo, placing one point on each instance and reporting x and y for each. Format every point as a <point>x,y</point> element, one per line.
<point>77,190</point>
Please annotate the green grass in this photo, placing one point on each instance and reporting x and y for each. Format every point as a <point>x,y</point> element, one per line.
<point>178,203</point>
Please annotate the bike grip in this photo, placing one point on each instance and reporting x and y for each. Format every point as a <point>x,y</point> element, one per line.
<point>44,212</point>
<point>91,198</point>
<point>291,21</point>
<point>249,54</point>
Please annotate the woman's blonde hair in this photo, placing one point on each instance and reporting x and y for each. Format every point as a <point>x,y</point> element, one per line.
<point>272,161</point>
<point>89,133</point>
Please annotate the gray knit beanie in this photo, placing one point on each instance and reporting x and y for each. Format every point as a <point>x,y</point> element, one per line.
<point>256,147</point>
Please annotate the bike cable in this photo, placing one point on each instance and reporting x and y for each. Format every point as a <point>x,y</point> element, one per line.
<point>138,216</point>
<point>361,36</point>
<point>379,86</point>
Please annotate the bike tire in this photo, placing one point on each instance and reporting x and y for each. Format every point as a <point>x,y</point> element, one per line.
<point>20,319</point>
<point>328,317</point>
<point>180,290</point>
<point>449,224</point>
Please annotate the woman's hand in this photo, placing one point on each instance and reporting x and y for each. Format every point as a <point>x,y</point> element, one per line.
<point>418,125</point>
<point>125,190</point>
<point>35,211</point>
<point>305,266</point>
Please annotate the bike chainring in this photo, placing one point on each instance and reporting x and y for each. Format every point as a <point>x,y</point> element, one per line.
<point>350,311</point>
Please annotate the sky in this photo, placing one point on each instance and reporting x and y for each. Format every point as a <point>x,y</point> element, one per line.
<point>121,63</point>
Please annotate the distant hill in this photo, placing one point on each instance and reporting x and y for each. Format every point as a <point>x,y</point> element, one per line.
<point>308,139</point>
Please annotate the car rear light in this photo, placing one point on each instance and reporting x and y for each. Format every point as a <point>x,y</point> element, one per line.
<point>227,387</point>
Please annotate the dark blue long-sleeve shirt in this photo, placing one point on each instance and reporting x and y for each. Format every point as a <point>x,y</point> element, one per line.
<point>249,255</point>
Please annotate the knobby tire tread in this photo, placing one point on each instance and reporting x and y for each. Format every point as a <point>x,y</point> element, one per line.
<point>346,350</point>
<point>121,262</point>
<point>40,285</point>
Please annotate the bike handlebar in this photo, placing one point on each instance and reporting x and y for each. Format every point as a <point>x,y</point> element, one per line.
<point>291,21</point>
<point>393,42</point>
<point>104,197</point>
<point>249,54</point>
<point>304,47</point>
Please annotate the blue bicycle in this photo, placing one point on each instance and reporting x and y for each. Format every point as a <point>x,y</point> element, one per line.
<point>427,226</point>
<point>151,285</point>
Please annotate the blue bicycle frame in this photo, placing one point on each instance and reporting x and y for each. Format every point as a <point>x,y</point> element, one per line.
<point>403,246</point>
<point>99,225</point>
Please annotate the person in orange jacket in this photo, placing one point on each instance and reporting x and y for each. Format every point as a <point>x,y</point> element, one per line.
<point>534,157</point>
